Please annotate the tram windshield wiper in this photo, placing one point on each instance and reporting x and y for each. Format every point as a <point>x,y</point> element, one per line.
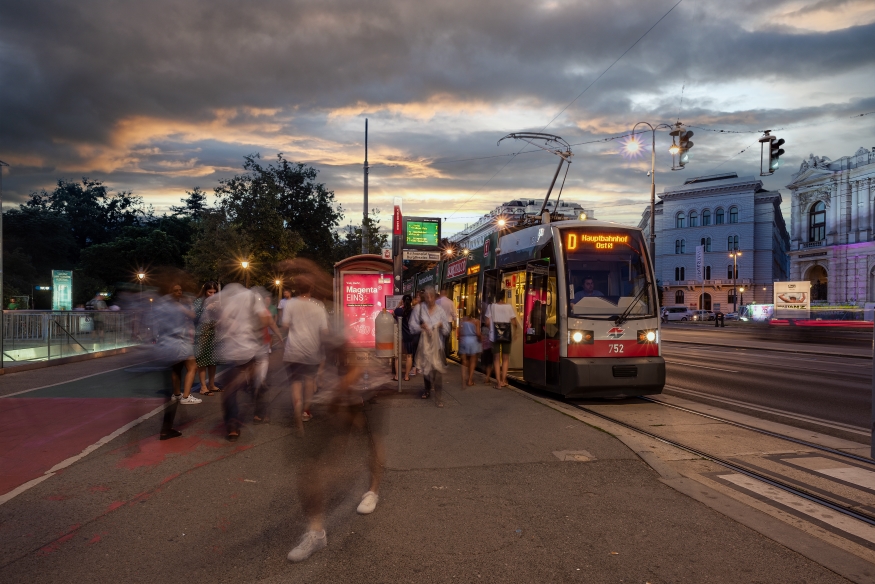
<point>623,317</point>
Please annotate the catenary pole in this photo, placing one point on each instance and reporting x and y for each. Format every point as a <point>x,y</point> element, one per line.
<point>365,238</point>
<point>2,318</point>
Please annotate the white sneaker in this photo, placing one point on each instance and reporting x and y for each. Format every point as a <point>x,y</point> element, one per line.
<point>190,400</point>
<point>312,542</point>
<point>369,503</point>
<point>176,396</point>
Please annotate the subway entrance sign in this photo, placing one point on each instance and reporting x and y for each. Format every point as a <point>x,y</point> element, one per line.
<point>421,233</point>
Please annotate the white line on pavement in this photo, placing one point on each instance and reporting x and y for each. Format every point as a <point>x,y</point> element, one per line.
<point>78,378</point>
<point>88,450</point>
<point>819,512</point>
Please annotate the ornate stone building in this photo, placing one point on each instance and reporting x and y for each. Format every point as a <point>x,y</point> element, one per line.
<point>833,227</point>
<point>724,213</point>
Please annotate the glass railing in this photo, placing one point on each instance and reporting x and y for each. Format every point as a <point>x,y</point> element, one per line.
<point>40,335</point>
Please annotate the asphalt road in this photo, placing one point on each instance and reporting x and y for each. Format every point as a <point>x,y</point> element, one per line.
<point>824,381</point>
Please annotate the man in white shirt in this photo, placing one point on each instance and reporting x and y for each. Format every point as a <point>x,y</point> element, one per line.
<point>287,295</point>
<point>307,321</point>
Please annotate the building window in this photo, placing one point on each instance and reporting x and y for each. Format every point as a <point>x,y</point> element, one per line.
<point>718,217</point>
<point>683,246</point>
<point>694,219</point>
<point>733,214</point>
<point>679,297</point>
<point>707,272</point>
<point>707,244</point>
<point>679,220</point>
<point>732,243</point>
<point>817,222</point>
<point>730,297</point>
<point>679,274</point>
<point>706,218</point>
<point>677,246</point>
<point>729,273</point>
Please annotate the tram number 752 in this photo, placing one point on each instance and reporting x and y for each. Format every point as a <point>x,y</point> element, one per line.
<point>615,348</point>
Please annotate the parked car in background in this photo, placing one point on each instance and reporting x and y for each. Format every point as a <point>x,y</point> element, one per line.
<point>704,315</point>
<point>676,313</point>
<point>731,316</point>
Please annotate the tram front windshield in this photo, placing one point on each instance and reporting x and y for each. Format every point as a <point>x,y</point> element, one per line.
<point>607,274</point>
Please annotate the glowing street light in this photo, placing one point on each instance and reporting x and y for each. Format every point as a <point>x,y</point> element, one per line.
<point>633,146</point>
<point>734,255</point>
<point>246,271</point>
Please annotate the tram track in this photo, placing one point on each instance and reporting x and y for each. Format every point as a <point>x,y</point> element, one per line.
<point>753,473</point>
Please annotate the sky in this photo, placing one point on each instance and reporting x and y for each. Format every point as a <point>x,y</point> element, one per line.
<point>160,97</point>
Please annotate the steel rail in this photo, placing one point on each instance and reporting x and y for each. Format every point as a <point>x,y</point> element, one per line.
<point>773,482</point>
<point>762,431</point>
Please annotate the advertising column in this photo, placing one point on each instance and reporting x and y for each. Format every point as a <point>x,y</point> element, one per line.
<point>62,290</point>
<point>363,297</point>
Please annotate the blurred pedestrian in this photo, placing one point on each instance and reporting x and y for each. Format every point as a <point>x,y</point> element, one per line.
<point>281,305</point>
<point>175,347</point>
<point>240,326</point>
<point>502,320</point>
<point>345,401</point>
<point>408,344</point>
<point>205,337</point>
<point>307,323</point>
<point>452,315</point>
<point>469,348</point>
<point>430,355</point>
<point>98,304</point>
<point>720,319</point>
<point>486,359</point>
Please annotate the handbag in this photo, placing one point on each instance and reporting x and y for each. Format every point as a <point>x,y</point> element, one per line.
<point>502,332</point>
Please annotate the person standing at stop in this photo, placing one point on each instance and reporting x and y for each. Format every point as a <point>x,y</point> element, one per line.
<point>499,318</point>
<point>430,357</point>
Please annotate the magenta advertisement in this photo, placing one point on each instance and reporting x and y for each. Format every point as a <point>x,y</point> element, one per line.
<point>363,296</point>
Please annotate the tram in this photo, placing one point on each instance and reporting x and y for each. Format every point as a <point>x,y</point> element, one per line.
<point>586,297</point>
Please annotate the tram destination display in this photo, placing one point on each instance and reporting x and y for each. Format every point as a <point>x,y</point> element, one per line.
<point>422,233</point>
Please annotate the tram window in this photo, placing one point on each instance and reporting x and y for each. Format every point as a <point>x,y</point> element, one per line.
<point>605,274</point>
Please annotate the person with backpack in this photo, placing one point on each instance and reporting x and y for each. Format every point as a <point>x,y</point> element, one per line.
<point>500,317</point>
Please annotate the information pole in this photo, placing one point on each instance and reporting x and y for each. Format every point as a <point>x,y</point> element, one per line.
<point>398,277</point>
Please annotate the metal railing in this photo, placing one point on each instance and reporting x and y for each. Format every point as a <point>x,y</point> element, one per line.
<point>810,244</point>
<point>40,335</point>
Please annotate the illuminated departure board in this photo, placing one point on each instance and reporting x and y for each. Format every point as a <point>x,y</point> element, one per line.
<point>422,232</point>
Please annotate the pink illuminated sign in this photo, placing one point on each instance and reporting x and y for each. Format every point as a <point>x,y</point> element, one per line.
<point>363,297</point>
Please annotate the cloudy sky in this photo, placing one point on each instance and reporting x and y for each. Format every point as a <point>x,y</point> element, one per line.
<point>158,97</point>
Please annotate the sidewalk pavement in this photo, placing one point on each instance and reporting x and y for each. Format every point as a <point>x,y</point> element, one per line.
<point>494,487</point>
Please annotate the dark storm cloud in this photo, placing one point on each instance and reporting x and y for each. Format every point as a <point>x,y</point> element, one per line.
<point>71,72</point>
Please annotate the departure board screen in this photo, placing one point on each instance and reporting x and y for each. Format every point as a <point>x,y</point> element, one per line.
<point>422,232</point>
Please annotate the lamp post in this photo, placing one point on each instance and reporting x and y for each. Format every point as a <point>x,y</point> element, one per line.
<point>279,287</point>
<point>633,146</point>
<point>734,255</point>
<point>140,277</point>
<point>246,272</point>
<point>741,291</point>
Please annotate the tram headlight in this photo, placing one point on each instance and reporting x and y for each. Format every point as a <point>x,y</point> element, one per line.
<point>646,336</point>
<point>582,337</point>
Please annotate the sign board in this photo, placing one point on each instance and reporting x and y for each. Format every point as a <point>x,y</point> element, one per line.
<point>363,298</point>
<point>792,299</point>
<point>387,253</point>
<point>397,221</point>
<point>759,312</point>
<point>426,256</point>
<point>421,232</point>
<point>62,293</point>
<point>456,268</point>
<point>393,301</point>
<point>700,263</point>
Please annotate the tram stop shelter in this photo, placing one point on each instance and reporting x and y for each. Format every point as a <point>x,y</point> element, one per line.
<point>361,284</point>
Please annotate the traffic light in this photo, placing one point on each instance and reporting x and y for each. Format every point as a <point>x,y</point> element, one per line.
<point>770,153</point>
<point>775,153</point>
<point>684,146</point>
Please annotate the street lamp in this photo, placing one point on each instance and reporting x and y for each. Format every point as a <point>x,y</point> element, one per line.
<point>246,271</point>
<point>633,146</point>
<point>741,291</point>
<point>734,255</point>
<point>140,277</point>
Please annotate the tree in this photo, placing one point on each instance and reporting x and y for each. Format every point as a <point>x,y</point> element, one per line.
<point>303,205</point>
<point>195,204</point>
<point>96,215</point>
<point>44,235</point>
<point>137,248</point>
<point>351,242</point>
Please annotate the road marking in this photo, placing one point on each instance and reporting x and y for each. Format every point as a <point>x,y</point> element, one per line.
<point>77,378</point>
<point>88,450</point>
<point>819,512</point>
<point>701,366</point>
<point>801,417</point>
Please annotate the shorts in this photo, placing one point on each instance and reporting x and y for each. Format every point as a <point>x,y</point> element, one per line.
<point>408,347</point>
<point>501,347</point>
<point>301,371</point>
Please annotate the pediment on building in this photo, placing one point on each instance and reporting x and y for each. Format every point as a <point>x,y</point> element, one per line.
<point>808,174</point>
<point>808,197</point>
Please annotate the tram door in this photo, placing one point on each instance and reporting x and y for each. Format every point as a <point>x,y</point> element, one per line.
<point>535,323</point>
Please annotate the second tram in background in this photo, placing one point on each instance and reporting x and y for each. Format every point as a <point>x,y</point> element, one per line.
<point>587,301</point>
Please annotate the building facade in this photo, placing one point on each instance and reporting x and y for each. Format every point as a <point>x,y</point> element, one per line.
<point>725,214</point>
<point>833,227</point>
